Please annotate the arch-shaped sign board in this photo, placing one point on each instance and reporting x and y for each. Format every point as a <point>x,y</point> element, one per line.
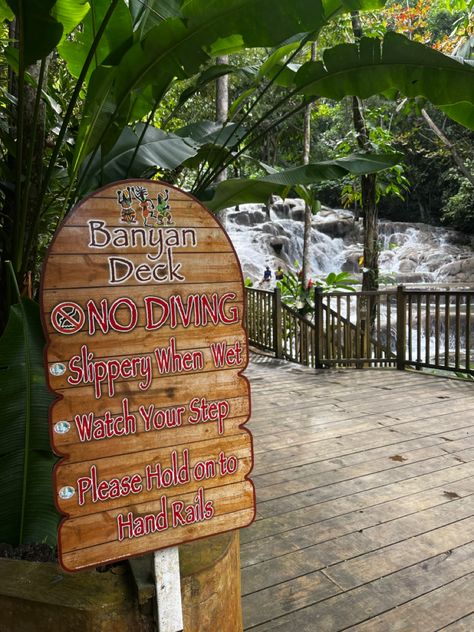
<point>142,305</point>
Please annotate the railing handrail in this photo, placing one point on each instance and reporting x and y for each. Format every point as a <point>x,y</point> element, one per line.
<point>297,315</point>
<point>424,327</point>
<point>440,292</point>
<point>259,289</point>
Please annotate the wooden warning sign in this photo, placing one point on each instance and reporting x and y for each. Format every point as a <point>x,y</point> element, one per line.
<point>142,305</point>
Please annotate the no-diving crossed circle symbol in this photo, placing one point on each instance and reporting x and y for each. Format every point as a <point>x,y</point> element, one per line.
<point>68,317</point>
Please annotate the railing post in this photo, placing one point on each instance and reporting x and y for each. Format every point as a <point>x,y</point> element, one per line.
<point>318,327</point>
<point>277,325</point>
<point>401,328</point>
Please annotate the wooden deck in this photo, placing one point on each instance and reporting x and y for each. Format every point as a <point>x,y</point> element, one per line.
<point>365,499</point>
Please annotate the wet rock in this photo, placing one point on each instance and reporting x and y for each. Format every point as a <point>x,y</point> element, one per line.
<point>407,266</point>
<point>415,277</point>
<point>281,211</point>
<point>251,271</point>
<point>298,214</point>
<point>239,217</point>
<point>336,227</point>
<point>270,228</point>
<point>278,243</point>
<point>461,271</point>
<point>257,217</point>
<point>351,264</point>
<point>435,261</point>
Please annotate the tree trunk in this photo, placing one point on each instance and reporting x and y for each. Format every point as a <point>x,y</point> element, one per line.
<point>306,266</point>
<point>28,173</point>
<point>370,278</point>
<point>222,104</point>
<point>368,189</point>
<point>35,135</point>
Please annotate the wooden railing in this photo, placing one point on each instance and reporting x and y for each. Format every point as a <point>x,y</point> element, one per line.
<point>421,328</point>
<point>260,315</point>
<point>438,330</point>
<point>298,337</point>
<point>356,328</point>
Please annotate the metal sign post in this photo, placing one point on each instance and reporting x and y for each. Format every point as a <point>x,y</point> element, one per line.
<point>168,590</point>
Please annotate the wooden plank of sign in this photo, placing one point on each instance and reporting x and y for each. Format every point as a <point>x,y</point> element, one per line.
<point>200,360</point>
<point>81,295</point>
<point>142,465</point>
<point>79,530</point>
<point>62,348</point>
<point>72,238</point>
<point>147,312</point>
<point>166,391</point>
<point>112,551</point>
<point>190,215</point>
<point>77,451</point>
<point>69,271</point>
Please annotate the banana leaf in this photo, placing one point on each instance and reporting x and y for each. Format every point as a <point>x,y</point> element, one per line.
<point>210,132</point>
<point>244,190</point>
<point>150,13</point>
<point>131,159</point>
<point>44,23</point>
<point>394,64</point>
<point>116,39</point>
<point>27,511</point>
<point>178,47</point>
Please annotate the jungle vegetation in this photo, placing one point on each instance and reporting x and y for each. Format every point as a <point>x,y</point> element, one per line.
<point>93,91</point>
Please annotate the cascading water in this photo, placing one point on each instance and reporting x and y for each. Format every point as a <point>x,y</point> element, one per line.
<point>410,253</point>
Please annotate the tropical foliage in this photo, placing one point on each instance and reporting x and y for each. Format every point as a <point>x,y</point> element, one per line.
<point>27,512</point>
<point>97,90</point>
<point>84,83</point>
<point>86,100</point>
<point>300,296</point>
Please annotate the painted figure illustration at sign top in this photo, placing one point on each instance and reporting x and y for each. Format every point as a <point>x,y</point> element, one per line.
<point>146,205</point>
<point>163,211</point>
<point>125,199</point>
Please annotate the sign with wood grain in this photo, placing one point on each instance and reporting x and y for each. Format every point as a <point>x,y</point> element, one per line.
<point>142,305</point>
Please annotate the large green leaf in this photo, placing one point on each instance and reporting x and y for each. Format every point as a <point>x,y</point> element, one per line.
<point>215,141</point>
<point>69,13</point>
<point>5,11</point>
<point>275,68</point>
<point>130,158</point>
<point>242,191</point>
<point>150,13</point>
<point>114,42</point>
<point>27,512</point>
<point>211,132</point>
<point>38,32</point>
<point>209,75</point>
<point>395,64</point>
<point>179,46</point>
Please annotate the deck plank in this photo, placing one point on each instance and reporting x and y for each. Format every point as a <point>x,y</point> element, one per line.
<point>432,612</point>
<point>365,499</point>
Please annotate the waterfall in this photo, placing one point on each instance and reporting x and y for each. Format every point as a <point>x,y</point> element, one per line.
<point>409,253</point>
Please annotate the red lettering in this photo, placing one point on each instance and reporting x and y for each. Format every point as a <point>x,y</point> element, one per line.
<point>233,311</point>
<point>120,303</point>
<point>150,303</point>
<point>95,317</point>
